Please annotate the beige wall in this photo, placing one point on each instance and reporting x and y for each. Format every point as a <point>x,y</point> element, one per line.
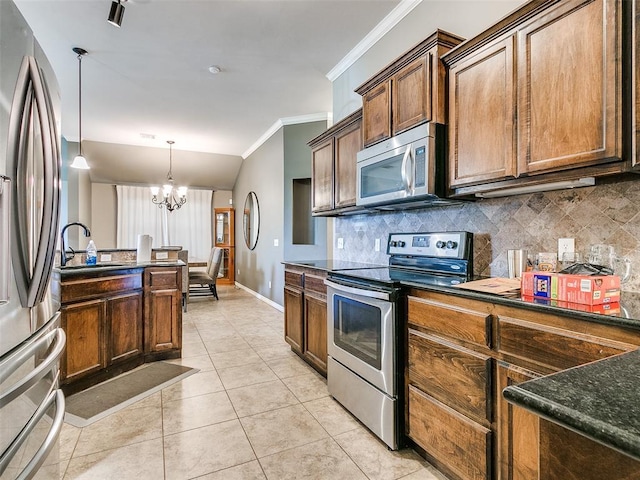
<point>103,215</point>
<point>222,198</point>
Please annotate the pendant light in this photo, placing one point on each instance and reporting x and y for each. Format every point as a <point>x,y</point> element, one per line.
<point>79,161</point>
<point>116,13</point>
<point>172,198</point>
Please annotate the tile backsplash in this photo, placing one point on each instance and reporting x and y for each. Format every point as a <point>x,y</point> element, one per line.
<point>605,213</point>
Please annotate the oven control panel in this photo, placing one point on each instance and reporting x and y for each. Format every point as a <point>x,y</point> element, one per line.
<point>432,244</point>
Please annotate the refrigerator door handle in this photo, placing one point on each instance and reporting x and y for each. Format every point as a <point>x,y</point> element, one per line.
<point>15,361</point>
<point>57,397</point>
<point>5,247</point>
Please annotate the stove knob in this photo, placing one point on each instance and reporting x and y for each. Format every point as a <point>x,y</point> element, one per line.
<point>452,245</point>
<point>393,243</point>
<point>401,243</point>
<point>440,244</point>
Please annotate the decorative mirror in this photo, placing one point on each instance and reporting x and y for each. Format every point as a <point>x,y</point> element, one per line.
<point>251,220</point>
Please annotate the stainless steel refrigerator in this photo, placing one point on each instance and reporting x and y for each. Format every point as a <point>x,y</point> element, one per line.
<point>31,340</point>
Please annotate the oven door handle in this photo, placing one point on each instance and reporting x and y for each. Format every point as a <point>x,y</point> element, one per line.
<point>358,291</point>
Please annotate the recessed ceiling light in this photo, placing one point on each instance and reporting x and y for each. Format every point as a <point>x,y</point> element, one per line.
<point>150,136</point>
<point>214,69</point>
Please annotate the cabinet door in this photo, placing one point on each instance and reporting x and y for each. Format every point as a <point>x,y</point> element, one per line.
<point>164,322</point>
<point>569,87</point>
<point>518,430</point>
<point>376,114</point>
<point>315,332</point>
<point>322,177</point>
<point>124,327</point>
<point>226,275</point>
<point>482,115</point>
<point>293,315</point>
<point>347,144</point>
<point>411,95</point>
<point>85,353</point>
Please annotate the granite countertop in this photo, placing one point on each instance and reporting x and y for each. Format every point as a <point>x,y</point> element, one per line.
<point>332,265</point>
<point>600,400</point>
<point>112,266</point>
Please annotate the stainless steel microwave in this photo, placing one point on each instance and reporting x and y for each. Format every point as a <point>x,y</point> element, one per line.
<point>403,170</point>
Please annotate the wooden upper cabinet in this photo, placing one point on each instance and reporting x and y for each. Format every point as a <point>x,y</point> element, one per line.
<point>537,97</point>
<point>411,103</point>
<point>348,143</point>
<point>333,166</point>
<point>407,92</point>
<point>570,99</point>
<point>322,175</point>
<point>376,108</point>
<point>482,112</point>
<point>635,113</point>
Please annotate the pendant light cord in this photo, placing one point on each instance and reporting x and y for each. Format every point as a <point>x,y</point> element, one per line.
<point>80,52</point>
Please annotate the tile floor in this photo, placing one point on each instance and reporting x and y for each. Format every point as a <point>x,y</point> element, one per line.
<point>254,411</point>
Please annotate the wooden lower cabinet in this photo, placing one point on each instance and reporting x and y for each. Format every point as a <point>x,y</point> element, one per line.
<point>124,327</point>
<point>293,319</point>
<point>456,412</point>
<point>84,355</point>
<point>163,312</point>
<point>305,315</point>
<point>315,331</point>
<point>455,443</point>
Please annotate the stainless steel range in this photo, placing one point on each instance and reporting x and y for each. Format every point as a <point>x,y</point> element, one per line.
<point>365,333</point>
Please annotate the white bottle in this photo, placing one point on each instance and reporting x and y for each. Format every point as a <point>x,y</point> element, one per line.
<point>92,253</point>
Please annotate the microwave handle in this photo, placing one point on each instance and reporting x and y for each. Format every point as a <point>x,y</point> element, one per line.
<point>407,177</point>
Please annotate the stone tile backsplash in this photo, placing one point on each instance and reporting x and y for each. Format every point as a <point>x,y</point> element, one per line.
<point>606,213</point>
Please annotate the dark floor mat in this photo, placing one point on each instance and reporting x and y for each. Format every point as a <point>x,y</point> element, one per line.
<point>97,402</point>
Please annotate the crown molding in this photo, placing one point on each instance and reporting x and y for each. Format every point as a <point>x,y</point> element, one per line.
<point>281,122</point>
<point>398,13</point>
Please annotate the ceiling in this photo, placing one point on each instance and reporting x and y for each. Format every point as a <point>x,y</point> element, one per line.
<point>149,81</point>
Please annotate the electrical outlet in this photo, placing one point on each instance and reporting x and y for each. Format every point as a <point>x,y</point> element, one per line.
<point>377,245</point>
<point>566,245</point>
<point>276,242</point>
<point>341,243</point>
<point>238,271</point>
<point>269,283</point>
<point>105,257</point>
<point>162,255</point>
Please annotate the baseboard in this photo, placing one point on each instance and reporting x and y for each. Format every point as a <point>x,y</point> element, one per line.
<point>260,297</point>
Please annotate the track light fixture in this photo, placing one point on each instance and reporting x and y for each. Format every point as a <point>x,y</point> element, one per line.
<point>116,13</point>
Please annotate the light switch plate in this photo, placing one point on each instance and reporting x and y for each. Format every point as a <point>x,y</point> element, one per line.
<point>276,242</point>
<point>566,245</point>
<point>377,245</point>
<point>341,243</point>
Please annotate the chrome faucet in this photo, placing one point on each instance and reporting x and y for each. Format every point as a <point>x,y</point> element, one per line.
<point>63,253</point>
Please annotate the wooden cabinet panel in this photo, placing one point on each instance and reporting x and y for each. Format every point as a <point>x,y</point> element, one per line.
<point>124,314</point>
<point>293,319</point>
<point>164,322</point>
<point>84,288</point>
<point>580,458</point>
<point>635,60</point>
<point>552,347</point>
<point>451,320</point>
<point>452,374</point>
<point>83,324</point>
<point>347,144</point>
<point>455,442</point>
<point>482,115</point>
<point>315,331</point>
<point>322,175</point>
<point>294,279</point>
<point>411,98</point>
<point>315,283</point>
<point>568,83</point>
<point>518,430</point>
<point>163,278</point>
<point>376,114</point>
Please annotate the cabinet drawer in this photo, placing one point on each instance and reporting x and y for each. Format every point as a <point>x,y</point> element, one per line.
<point>86,288</point>
<point>452,321</point>
<point>449,437</point>
<point>553,347</point>
<point>293,278</point>
<point>313,283</point>
<point>162,278</point>
<point>454,375</point>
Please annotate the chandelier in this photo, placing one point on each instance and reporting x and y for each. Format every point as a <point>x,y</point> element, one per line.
<point>172,197</point>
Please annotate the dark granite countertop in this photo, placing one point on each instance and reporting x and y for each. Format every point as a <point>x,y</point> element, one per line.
<point>82,269</point>
<point>332,265</point>
<point>600,400</point>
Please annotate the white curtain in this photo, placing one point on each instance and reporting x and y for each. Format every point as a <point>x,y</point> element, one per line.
<point>189,226</point>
